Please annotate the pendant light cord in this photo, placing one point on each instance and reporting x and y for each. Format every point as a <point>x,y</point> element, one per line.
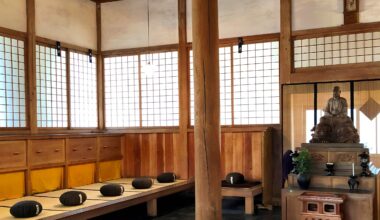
<point>148,12</point>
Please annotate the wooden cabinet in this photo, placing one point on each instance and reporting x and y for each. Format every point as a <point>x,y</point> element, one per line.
<point>358,204</point>
<point>47,152</point>
<point>109,148</point>
<point>50,156</point>
<point>12,154</point>
<point>81,150</point>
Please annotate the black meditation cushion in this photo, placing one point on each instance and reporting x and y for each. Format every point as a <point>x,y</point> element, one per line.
<point>112,190</point>
<point>26,209</point>
<point>142,183</point>
<point>73,198</point>
<point>166,177</point>
<point>235,178</point>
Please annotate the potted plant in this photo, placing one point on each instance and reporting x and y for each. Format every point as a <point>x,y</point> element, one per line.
<point>303,162</point>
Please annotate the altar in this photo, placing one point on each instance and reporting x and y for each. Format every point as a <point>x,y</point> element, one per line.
<point>335,163</point>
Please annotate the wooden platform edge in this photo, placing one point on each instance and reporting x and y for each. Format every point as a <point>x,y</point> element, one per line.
<point>115,205</point>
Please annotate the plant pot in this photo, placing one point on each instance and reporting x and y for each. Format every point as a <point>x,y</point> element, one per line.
<point>303,180</point>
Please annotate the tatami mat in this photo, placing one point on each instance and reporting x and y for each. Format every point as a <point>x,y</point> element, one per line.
<point>91,194</point>
<point>6,215</point>
<point>50,203</point>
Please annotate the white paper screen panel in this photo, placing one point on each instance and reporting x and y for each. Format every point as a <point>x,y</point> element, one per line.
<point>83,91</point>
<point>69,21</point>
<point>225,90</point>
<point>339,49</point>
<point>12,83</point>
<point>13,14</point>
<point>125,23</point>
<point>243,18</point>
<point>316,14</point>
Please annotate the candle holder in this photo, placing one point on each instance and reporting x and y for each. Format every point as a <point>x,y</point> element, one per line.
<point>352,182</point>
<point>330,169</point>
<point>364,160</point>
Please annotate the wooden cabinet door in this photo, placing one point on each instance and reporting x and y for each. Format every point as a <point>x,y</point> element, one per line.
<point>12,154</point>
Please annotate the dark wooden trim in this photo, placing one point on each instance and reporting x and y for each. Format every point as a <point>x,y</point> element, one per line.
<point>315,103</point>
<point>250,39</point>
<point>56,136</point>
<point>140,95</point>
<point>184,91</point>
<point>286,41</point>
<point>232,88</point>
<point>337,67</point>
<point>47,165</point>
<point>338,30</point>
<point>19,35</point>
<point>68,89</point>
<point>72,47</point>
<point>242,128</point>
<point>144,130</point>
<point>100,69</point>
<point>12,169</point>
<point>104,1</point>
<point>141,50</point>
<point>31,96</point>
<point>351,17</point>
<point>338,73</point>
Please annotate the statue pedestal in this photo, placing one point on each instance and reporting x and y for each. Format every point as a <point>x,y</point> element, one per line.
<point>341,154</point>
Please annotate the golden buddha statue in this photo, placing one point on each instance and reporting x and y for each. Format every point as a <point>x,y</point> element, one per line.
<point>335,126</point>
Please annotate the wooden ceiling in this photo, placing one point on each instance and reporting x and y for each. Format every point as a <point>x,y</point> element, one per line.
<point>102,1</point>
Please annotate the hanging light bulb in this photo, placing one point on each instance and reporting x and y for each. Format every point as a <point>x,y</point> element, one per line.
<point>148,68</point>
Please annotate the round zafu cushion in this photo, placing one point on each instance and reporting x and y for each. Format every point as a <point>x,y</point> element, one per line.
<point>73,198</point>
<point>112,190</point>
<point>26,209</point>
<point>166,177</point>
<point>142,183</point>
<point>235,178</point>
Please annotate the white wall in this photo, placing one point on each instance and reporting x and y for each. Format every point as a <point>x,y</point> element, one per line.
<point>243,18</point>
<point>125,23</point>
<point>309,14</point>
<point>369,11</point>
<point>13,14</point>
<point>69,21</point>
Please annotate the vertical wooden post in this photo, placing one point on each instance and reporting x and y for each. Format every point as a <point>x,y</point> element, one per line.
<point>99,68</point>
<point>351,11</point>
<point>285,41</point>
<point>31,65</point>
<point>183,86</point>
<point>207,110</point>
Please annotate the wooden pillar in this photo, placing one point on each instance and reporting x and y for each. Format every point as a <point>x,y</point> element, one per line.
<point>99,68</point>
<point>31,65</point>
<point>207,110</point>
<point>285,41</point>
<point>183,81</point>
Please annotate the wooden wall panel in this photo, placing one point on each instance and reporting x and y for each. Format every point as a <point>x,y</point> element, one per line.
<point>153,153</point>
<point>240,152</point>
<point>190,149</point>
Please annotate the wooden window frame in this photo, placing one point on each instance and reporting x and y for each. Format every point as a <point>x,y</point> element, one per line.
<point>231,42</point>
<point>138,52</point>
<point>18,35</point>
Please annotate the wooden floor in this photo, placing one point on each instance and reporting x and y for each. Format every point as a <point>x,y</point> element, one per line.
<point>180,206</point>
